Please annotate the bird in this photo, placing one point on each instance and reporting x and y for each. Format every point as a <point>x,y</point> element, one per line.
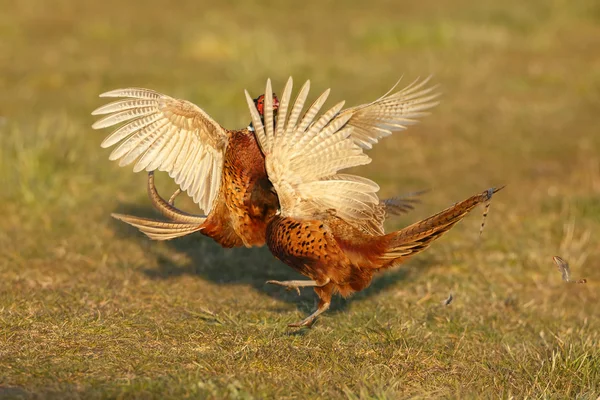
<point>223,170</point>
<point>329,225</point>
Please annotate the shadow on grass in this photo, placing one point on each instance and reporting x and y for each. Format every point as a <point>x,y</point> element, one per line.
<point>13,392</point>
<point>254,266</point>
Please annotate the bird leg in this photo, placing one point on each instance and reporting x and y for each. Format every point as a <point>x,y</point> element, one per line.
<point>324,292</point>
<point>308,321</point>
<point>289,285</point>
<point>323,289</point>
<point>172,198</point>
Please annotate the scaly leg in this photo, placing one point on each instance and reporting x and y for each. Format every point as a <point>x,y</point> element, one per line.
<point>308,321</point>
<point>324,292</point>
<point>289,285</point>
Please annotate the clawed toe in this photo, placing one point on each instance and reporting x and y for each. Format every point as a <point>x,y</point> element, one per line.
<point>305,322</point>
<point>308,321</point>
<point>286,285</point>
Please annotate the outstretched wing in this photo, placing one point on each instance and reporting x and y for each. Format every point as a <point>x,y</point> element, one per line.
<point>391,112</point>
<point>303,157</point>
<point>167,134</point>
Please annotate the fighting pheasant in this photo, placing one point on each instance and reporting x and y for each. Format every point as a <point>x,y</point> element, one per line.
<point>223,170</point>
<point>330,226</point>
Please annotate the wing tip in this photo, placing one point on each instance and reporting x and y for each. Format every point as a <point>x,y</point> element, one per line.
<point>97,125</point>
<point>112,93</point>
<point>123,92</point>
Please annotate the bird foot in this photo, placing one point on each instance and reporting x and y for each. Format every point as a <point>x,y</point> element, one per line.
<point>305,322</point>
<point>308,321</point>
<point>288,285</point>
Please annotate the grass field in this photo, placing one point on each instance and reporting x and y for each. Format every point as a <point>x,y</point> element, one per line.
<point>92,309</point>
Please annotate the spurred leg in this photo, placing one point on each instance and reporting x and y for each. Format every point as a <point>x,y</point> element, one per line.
<point>289,285</point>
<point>324,292</point>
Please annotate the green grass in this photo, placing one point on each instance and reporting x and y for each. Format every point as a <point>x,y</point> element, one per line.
<point>92,309</point>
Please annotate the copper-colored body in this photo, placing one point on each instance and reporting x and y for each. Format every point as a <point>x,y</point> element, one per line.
<point>243,206</point>
<point>222,170</point>
<point>245,201</point>
<point>340,258</point>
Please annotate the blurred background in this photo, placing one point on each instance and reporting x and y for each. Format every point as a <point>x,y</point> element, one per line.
<point>86,301</point>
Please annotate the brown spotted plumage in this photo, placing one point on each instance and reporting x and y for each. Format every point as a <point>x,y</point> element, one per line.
<point>330,225</point>
<point>339,258</point>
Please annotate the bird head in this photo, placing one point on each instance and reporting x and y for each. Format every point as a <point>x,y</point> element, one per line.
<point>259,102</point>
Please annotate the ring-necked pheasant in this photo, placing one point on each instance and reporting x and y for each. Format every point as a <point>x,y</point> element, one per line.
<point>329,226</point>
<point>223,170</point>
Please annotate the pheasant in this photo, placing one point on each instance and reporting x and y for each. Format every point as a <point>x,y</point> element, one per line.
<point>329,226</point>
<point>223,170</point>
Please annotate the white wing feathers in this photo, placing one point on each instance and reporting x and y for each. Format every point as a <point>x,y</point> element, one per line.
<point>391,112</point>
<point>167,134</point>
<point>302,159</point>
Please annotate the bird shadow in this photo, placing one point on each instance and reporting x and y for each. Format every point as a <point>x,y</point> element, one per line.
<point>204,258</point>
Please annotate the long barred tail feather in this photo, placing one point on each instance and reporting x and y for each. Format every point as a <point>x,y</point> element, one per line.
<point>159,230</point>
<point>168,210</point>
<point>180,224</point>
<point>418,236</point>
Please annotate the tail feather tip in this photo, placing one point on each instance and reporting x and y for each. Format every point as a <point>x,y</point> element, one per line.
<point>491,191</point>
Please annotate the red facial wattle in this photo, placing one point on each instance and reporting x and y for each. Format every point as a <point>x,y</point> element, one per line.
<point>260,104</point>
